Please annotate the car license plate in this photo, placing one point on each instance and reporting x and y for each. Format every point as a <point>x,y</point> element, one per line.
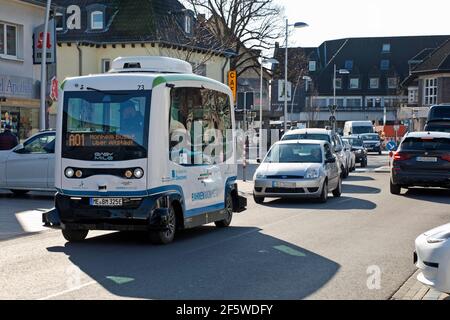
<point>106,202</point>
<point>277,184</point>
<point>427,159</point>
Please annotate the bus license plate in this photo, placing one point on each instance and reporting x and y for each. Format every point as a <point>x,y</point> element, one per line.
<point>427,159</point>
<point>107,202</point>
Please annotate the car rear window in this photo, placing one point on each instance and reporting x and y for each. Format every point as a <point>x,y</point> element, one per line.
<point>442,112</point>
<point>420,144</point>
<point>307,136</point>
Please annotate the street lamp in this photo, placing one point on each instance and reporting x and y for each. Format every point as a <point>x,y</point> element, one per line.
<point>263,61</point>
<point>340,71</point>
<point>295,25</point>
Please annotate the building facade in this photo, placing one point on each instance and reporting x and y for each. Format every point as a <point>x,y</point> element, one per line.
<point>427,85</point>
<point>369,72</point>
<point>19,77</point>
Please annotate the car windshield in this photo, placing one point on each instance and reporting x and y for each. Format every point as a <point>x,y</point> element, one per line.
<point>362,129</point>
<point>421,144</point>
<point>307,136</point>
<point>370,137</point>
<point>295,153</point>
<point>355,142</point>
<point>106,126</point>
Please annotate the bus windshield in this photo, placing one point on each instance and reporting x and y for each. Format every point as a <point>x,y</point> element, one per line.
<point>362,129</point>
<point>105,126</point>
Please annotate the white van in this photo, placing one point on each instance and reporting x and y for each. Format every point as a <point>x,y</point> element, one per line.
<point>148,146</point>
<point>358,127</point>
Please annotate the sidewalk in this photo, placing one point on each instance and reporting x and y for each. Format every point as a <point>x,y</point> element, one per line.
<point>412,289</point>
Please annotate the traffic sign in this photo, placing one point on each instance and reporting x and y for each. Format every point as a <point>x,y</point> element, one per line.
<point>396,127</point>
<point>391,145</point>
<point>332,119</point>
<point>232,82</point>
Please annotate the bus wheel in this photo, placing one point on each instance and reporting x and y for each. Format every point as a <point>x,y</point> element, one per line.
<point>228,213</point>
<point>75,235</point>
<point>166,236</point>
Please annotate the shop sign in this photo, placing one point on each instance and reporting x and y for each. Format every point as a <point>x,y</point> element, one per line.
<point>38,43</point>
<point>19,87</point>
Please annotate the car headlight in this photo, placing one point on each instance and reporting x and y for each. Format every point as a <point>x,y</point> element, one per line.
<point>360,151</point>
<point>312,174</point>
<point>439,238</point>
<point>259,175</point>
<point>378,144</point>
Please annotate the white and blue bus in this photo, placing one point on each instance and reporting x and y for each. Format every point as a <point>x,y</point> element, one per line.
<point>148,146</point>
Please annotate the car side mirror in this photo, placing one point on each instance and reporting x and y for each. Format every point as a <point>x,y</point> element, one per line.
<point>330,160</point>
<point>258,160</point>
<point>20,149</point>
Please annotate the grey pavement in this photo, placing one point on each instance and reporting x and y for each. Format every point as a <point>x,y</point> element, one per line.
<point>278,250</point>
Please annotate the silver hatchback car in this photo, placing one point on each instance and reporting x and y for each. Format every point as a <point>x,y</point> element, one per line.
<point>298,169</point>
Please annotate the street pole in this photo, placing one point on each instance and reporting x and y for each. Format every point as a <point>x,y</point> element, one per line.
<point>260,111</point>
<point>334,98</point>
<point>286,78</point>
<point>43,107</point>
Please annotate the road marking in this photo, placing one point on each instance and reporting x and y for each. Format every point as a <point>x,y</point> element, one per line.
<point>290,251</point>
<point>69,290</point>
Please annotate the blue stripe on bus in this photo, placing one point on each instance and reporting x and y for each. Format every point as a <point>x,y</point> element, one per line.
<point>202,210</point>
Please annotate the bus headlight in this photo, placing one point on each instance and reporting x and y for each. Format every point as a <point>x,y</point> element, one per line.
<point>78,174</point>
<point>128,174</point>
<point>138,173</point>
<point>69,173</point>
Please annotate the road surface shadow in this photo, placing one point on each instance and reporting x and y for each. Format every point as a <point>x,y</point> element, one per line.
<point>357,189</point>
<point>431,195</point>
<point>341,204</point>
<point>358,178</point>
<point>203,263</point>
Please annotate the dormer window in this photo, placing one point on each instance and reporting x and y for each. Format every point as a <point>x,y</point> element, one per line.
<point>188,24</point>
<point>97,20</point>
<point>386,48</point>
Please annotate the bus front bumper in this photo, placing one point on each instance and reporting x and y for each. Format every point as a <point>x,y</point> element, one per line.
<point>70,214</point>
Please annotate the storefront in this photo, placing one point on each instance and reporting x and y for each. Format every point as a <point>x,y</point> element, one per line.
<point>19,105</point>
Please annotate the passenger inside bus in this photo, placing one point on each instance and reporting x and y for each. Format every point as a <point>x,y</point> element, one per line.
<point>131,122</point>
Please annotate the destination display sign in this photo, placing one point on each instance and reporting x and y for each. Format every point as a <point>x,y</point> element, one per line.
<point>99,140</point>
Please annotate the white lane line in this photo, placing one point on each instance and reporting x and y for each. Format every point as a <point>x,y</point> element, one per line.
<point>68,291</point>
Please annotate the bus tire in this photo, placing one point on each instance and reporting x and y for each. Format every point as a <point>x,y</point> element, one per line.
<point>75,235</point>
<point>228,213</point>
<point>165,236</point>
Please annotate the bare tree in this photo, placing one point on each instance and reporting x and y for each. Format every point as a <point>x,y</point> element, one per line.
<point>245,26</point>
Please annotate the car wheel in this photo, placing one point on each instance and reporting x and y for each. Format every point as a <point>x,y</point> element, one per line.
<point>324,195</point>
<point>75,235</point>
<point>380,152</point>
<point>364,163</point>
<point>395,188</point>
<point>258,200</point>
<point>338,191</point>
<point>165,236</point>
<point>228,213</point>
<point>20,192</point>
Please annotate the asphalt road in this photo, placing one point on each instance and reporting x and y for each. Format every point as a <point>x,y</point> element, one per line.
<point>279,250</point>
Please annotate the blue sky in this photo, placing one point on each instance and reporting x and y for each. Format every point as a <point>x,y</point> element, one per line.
<point>333,19</point>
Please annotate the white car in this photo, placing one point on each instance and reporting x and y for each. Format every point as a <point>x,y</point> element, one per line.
<point>298,169</point>
<point>29,166</point>
<point>432,257</point>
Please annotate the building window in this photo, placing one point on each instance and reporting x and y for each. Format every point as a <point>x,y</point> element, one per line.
<point>385,64</point>
<point>8,40</point>
<point>97,20</point>
<point>188,24</point>
<point>312,66</point>
<point>430,91</point>
<point>320,102</point>
<point>338,83</point>
<point>59,21</point>
<point>374,83</point>
<point>349,65</point>
<point>354,83</point>
<point>354,102</point>
<point>106,65</point>
<point>386,48</point>
<point>392,83</point>
<point>413,95</point>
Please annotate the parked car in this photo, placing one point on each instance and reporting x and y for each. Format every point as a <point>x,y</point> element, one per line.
<point>432,257</point>
<point>324,135</point>
<point>423,159</point>
<point>357,147</point>
<point>298,169</point>
<point>439,118</point>
<point>351,158</point>
<point>372,142</point>
<point>29,166</point>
